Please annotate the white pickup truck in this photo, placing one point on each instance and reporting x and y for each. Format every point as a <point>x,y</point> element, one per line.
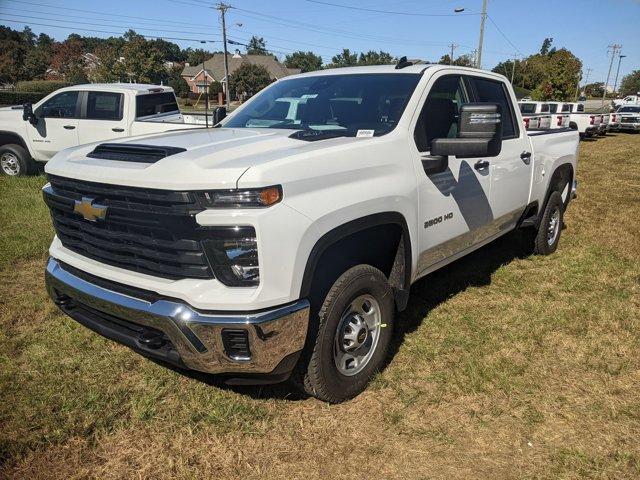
<point>285,250</point>
<point>588,124</point>
<point>535,115</point>
<point>82,114</point>
<point>629,100</point>
<point>629,118</point>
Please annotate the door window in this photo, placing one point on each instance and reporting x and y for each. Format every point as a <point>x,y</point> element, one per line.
<point>439,115</point>
<point>62,105</point>
<point>493,91</point>
<point>104,106</point>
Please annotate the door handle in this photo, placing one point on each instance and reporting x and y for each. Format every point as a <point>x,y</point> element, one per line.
<point>526,157</point>
<point>481,164</point>
<point>118,129</point>
<point>69,127</point>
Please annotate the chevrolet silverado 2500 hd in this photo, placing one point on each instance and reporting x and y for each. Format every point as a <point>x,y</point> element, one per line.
<point>629,118</point>
<point>82,114</point>
<point>281,245</point>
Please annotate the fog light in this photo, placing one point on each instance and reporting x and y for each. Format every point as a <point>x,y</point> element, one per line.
<point>232,253</point>
<point>236,343</point>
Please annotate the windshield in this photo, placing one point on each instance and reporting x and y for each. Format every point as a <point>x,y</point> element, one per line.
<point>340,104</point>
<point>629,109</point>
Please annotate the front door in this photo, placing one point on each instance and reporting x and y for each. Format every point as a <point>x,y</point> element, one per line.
<point>103,117</point>
<point>511,170</point>
<point>454,199</point>
<point>57,126</point>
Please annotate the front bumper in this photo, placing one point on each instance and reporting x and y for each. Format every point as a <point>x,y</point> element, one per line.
<point>630,126</point>
<point>171,331</point>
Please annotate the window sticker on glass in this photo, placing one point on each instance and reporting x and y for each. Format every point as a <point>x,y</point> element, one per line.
<point>365,133</point>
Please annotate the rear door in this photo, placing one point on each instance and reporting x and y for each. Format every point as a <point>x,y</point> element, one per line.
<point>57,126</point>
<point>511,170</point>
<point>103,117</point>
<point>454,206</point>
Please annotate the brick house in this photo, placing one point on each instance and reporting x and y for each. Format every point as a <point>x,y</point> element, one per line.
<point>199,76</point>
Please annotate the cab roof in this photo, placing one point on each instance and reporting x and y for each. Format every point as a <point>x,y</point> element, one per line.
<point>136,88</point>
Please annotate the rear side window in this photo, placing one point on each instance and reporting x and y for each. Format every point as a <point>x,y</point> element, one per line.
<point>544,108</point>
<point>567,107</point>
<point>104,106</point>
<point>156,103</point>
<point>492,91</point>
<point>553,107</point>
<point>528,107</point>
<point>580,108</point>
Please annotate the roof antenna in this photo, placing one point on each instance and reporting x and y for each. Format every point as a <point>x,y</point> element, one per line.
<point>403,62</point>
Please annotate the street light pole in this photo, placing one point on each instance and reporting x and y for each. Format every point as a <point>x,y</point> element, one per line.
<point>483,17</point>
<point>615,84</point>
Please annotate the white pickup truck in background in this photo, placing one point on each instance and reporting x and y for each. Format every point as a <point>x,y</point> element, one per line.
<point>629,118</point>
<point>83,114</point>
<point>283,244</point>
<point>587,124</point>
<point>535,115</point>
<point>631,100</point>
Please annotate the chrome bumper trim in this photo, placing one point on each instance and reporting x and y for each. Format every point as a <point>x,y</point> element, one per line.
<point>273,334</point>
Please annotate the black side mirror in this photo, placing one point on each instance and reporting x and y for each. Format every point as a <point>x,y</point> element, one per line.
<point>218,114</point>
<point>28,115</point>
<point>479,133</point>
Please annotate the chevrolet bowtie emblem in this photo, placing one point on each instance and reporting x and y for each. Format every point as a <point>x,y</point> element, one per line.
<point>89,210</point>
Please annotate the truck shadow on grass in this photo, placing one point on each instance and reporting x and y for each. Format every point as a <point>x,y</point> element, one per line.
<point>473,270</point>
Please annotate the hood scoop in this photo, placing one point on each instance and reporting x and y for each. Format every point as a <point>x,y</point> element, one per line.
<point>130,152</point>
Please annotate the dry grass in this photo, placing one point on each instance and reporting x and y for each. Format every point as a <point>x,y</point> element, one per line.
<point>505,367</point>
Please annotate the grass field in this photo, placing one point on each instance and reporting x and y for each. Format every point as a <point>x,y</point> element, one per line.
<point>505,366</point>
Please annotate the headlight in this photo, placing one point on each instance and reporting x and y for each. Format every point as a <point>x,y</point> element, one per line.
<point>241,198</point>
<point>232,253</point>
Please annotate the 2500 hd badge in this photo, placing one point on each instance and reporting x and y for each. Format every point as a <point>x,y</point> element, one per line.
<point>440,219</point>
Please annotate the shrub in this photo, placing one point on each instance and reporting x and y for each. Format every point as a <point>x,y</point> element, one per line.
<point>215,88</point>
<point>18,98</point>
<point>40,86</point>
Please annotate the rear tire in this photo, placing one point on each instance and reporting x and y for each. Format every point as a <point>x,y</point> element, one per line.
<point>547,237</point>
<point>15,161</point>
<point>352,339</point>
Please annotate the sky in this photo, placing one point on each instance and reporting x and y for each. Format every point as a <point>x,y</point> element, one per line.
<point>417,28</point>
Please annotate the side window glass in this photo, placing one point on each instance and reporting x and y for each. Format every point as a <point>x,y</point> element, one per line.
<point>62,105</point>
<point>553,107</point>
<point>104,106</point>
<point>439,115</point>
<point>492,91</point>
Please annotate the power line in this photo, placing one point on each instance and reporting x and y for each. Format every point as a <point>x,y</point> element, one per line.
<point>411,14</point>
<point>106,31</point>
<point>56,7</point>
<point>503,34</point>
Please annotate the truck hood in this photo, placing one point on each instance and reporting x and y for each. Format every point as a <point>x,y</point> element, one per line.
<point>213,158</point>
<point>9,116</point>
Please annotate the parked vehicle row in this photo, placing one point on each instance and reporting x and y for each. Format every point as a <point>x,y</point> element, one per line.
<point>283,242</point>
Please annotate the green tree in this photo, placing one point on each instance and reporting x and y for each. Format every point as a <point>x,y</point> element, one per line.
<point>197,56</point>
<point>257,46</point>
<point>561,75</point>
<point>110,68</point>
<point>179,84</point>
<point>375,58</point>
<point>67,62</point>
<point>461,61</point>
<point>305,61</point>
<point>546,45</point>
<point>249,79</point>
<point>344,59</point>
<point>630,84</point>
<point>170,51</point>
<point>595,89</point>
<point>12,55</point>
<point>215,88</point>
<point>36,61</point>
<point>142,62</point>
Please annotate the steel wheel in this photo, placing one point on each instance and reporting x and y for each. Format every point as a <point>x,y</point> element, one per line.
<point>10,164</point>
<point>554,226</point>
<point>357,335</point>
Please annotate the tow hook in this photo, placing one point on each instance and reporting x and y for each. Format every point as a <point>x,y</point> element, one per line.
<point>151,340</point>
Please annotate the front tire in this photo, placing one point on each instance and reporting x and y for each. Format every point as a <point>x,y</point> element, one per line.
<point>353,335</point>
<point>15,161</point>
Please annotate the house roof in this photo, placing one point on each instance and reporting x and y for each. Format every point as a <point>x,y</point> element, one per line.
<point>215,65</point>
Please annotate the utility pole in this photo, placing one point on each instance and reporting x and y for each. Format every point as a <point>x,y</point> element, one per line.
<point>614,51</point>
<point>453,46</point>
<point>222,8</point>
<point>615,84</point>
<point>586,80</point>
<point>483,17</point>
<point>513,68</point>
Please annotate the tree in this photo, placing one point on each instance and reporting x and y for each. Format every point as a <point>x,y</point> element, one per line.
<point>12,55</point>
<point>170,51</point>
<point>142,62</point>
<point>215,88</point>
<point>630,83</point>
<point>249,79</point>
<point>595,89</point>
<point>110,68</point>
<point>36,61</point>
<point>305,61</point>
<point>344,59</point>
<point>179,84</point>
<point>375,58</point>
<point>67,62</point>
<point>257,46</point>
<point>461,61</point>
<point>561,75</point>
<point>546,45</point>
<point>197,56</point>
